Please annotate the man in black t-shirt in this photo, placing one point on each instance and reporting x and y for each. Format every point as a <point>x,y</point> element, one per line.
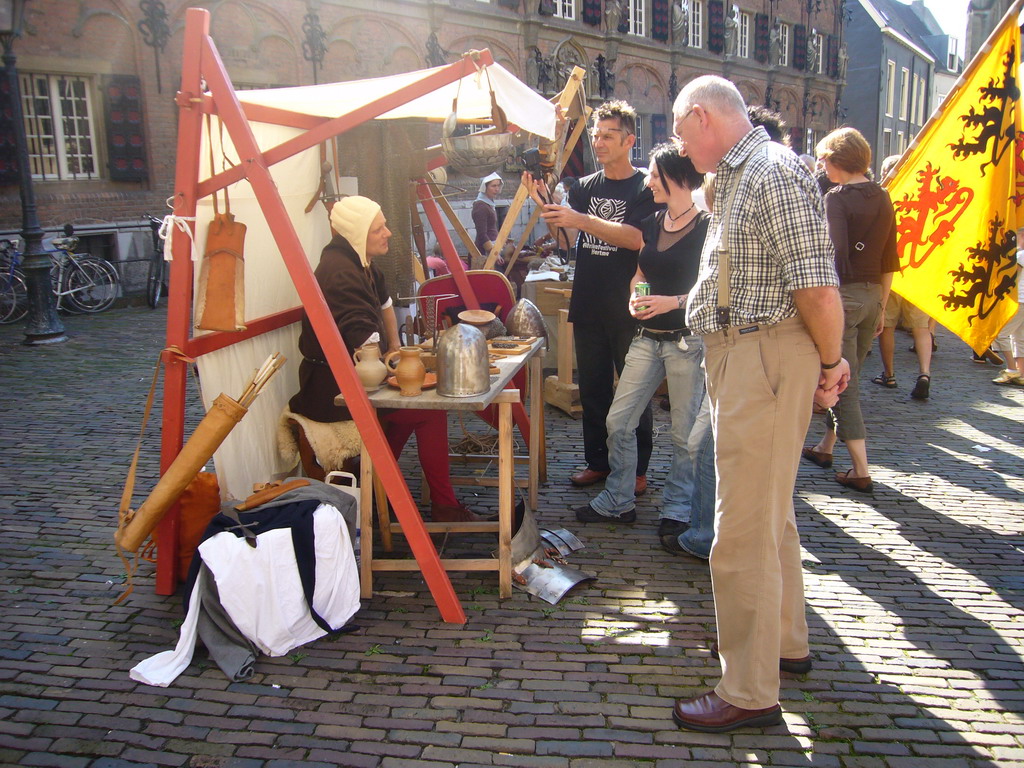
<point>607,208</point>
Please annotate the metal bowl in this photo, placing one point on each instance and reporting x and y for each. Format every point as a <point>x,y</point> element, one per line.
<point>477,154</point>
<point>525,319</point>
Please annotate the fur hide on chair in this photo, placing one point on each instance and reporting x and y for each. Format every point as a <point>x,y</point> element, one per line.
<point>332,443</point>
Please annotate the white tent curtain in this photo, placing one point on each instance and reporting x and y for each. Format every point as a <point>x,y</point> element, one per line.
<point>521,104</point>
<point>249,455</point>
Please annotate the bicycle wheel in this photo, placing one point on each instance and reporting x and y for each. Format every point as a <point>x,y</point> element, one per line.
<point>155,280</point>
<point>90,284</point>
<point>13,298</point>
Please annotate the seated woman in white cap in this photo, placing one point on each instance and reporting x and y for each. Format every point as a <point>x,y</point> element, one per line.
<point>485,215</point>
<point>358,298</point>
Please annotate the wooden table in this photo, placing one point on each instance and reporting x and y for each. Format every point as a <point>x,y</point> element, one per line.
<point>389,397</point>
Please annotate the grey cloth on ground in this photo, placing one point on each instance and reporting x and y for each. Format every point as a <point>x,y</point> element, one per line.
<point>229,648</point>
<point>232,651</point>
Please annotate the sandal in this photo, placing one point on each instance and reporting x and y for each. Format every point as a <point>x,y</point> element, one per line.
<point>885,380</point>
<point>920,391</point>
<point>862,484</point>
<point>822,459</point>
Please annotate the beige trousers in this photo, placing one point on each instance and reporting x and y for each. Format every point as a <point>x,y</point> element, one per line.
<point>761,382</point>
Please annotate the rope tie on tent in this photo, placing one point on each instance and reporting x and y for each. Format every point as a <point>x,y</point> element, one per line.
<point>181,223</point>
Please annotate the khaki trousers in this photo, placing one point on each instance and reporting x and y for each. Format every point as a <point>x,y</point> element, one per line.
<point>761,382</point>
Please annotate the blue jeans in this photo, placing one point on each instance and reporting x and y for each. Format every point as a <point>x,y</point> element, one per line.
<point>647,363</point>
<point>698,537</point>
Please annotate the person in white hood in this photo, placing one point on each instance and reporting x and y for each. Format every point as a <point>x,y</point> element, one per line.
<point>485,214</point>
<point>358,297</point>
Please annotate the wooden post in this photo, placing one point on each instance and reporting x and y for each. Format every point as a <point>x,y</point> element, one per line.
<point>560,391</point>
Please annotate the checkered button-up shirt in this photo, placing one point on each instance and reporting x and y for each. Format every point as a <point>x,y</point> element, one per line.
<point>778,241</point>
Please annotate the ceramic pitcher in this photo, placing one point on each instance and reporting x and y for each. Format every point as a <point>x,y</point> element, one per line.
<point>409,370</point>
<point>370,369</point>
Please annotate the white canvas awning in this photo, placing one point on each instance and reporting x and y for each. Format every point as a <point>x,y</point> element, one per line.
<point>522,105</point>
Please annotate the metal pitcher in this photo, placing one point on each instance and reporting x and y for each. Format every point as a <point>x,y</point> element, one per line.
<point>463,369</point>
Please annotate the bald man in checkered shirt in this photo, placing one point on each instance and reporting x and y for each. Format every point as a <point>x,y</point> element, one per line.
<point>773,337</point>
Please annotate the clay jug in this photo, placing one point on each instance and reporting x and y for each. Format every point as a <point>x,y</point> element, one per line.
<point>409,370</point>
<point>370,369</point>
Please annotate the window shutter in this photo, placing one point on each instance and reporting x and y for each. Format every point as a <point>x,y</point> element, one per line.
<point>8,143</point>
<point>591,12</point>
<point>512,5</point>
<point>661,13</point>
<point>716,26</point>
<point>659,129</point>
<point>799,47</point>
<point>832,60</point>
<point>126,142</point>
<point>547,8</point>
<point>762,37</point>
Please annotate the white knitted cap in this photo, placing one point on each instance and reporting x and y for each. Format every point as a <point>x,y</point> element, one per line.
<point>351,218</point>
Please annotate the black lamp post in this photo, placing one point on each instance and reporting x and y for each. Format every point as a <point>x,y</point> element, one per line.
<point>42,326</point>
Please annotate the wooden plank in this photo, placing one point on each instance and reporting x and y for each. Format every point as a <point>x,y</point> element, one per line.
<point>506,227</point>
<point>467,564</point>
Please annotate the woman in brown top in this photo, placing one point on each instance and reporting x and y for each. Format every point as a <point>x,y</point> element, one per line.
<point>862,226</point>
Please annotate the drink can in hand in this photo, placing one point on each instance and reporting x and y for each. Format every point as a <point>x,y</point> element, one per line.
<point>642,289</point>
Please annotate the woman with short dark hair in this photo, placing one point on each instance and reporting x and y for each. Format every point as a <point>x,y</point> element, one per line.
<point>663,347</point>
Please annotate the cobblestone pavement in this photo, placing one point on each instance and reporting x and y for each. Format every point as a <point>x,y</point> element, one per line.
<point>914,596</point>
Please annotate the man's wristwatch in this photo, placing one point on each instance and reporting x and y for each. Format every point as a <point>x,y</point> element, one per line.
<point>830,366</point>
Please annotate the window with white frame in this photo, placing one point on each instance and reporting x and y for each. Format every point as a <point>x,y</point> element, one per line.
<point>783,45</point>
<point>818,65</point>
<point>890,87</point>
<point>743,44</point>
<point>914,109</point>
<point>565,9</point>
<point>886,143</point>
<point>638,155</point>
<point>636,17</point>
<point>696,24</point>
<point>953,55</point>
<point>901,141</point>
<point>59,126</point>
<point>921,97</point>
<point>904,92</point>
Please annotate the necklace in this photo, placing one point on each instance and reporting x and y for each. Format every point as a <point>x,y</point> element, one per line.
<point>674,219</point>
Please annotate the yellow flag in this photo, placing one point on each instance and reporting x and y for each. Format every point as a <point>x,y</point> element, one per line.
<point>956,194</point>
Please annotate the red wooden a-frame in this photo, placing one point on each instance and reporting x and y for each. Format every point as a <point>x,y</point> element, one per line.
<point>202,64</point>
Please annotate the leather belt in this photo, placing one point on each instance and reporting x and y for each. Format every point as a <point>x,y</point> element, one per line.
<point>663,335</point>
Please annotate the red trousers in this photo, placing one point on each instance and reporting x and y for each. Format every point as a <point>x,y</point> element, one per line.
<point>431,428</point>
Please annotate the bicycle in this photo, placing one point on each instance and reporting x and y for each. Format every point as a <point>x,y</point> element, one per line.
<point>157,266</point>
<point>80,281</point>
<point>13,291</point>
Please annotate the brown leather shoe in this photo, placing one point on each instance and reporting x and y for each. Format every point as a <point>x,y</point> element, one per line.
<point>712,714</point>
<point>862,484</point>
<point>440,513</point>
<point>587,477</point>
<point>641,485</point>
<point>793,666</point>
<point>822,459</point>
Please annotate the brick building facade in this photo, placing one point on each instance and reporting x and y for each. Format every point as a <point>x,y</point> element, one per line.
<point>102,120</point>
